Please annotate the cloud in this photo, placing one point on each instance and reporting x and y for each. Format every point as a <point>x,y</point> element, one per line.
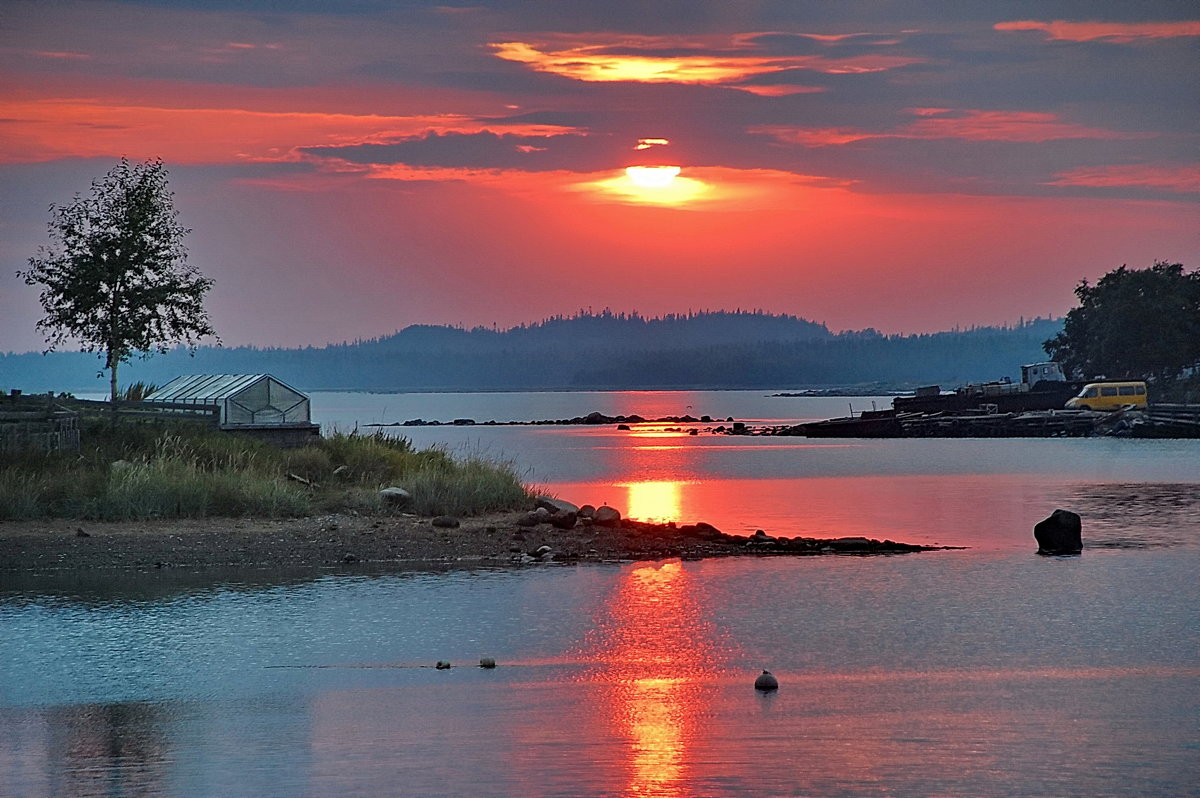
<point>726,61</point>
<point>944,123</point>
<point>41,130</point>
<point>1117,32</point>
<point>484,150</point>
<point>1182,178</point>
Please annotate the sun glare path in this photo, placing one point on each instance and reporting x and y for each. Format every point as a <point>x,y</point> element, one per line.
<point>654,501</point>
<point>654,648</point>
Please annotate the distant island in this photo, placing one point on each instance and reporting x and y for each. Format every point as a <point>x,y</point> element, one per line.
<point>592,351</point>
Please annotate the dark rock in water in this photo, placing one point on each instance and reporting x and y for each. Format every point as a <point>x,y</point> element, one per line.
<point>564,520</point>
<point>442,665</point>
<point>850,544</point>
<point>1061,533</point>
<point>487,662</point>
<point>350,558</point>
<point>606,516</point>
<point>624,427</point>
<point>766,682</point>
<point>445,522</point>
<point>762,538</point>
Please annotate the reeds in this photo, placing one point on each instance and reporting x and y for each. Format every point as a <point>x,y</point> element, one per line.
<point>181,470</point>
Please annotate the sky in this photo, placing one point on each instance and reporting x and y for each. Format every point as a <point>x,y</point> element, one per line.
<point>350,168</point>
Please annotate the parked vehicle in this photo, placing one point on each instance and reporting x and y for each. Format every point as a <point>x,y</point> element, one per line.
<point>1109,396</point>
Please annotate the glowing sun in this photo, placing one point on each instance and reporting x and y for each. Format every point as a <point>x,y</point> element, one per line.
<point>652,176</point>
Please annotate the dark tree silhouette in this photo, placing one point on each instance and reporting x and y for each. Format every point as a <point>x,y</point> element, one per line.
<point>1133,323</point>
<point>114,277</point>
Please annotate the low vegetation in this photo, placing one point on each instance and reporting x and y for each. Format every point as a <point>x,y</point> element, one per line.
<point>181,470</point>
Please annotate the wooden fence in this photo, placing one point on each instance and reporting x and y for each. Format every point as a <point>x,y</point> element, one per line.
<point>41,430</point>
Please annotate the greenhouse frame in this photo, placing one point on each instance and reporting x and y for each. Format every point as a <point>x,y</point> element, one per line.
<point>244,400</point>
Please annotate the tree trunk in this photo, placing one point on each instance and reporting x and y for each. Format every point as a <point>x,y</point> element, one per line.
<point>112,385</point>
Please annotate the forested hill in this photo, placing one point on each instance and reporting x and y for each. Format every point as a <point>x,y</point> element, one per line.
<point>737,349</point>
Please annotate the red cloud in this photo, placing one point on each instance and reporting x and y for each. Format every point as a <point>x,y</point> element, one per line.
<point>969,124</point>
<point>1171,177</point>
<point>1122,32</point>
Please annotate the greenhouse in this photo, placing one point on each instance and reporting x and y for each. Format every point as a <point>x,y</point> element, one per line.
<point>244,400</point>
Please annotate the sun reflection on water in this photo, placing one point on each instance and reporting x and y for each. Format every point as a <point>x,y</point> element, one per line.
<point>654,501</point>
<point>654,651</point>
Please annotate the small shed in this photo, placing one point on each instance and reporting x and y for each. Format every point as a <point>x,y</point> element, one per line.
<point>254,403</point>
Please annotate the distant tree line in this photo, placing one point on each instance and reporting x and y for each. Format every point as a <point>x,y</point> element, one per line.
<point>721,349</point>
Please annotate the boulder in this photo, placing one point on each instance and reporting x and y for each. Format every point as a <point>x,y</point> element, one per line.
<point>487,662</point>
<point>1061,533</point>
<point>529,519</point>
<point>564,520</point>
<point>587,511</point>
<point>766,682</point>
<point>395,497</point>
<point>555,505</point>
<point>606,516</point>
<point>542,515</point>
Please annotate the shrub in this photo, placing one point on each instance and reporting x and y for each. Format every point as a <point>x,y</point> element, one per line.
<point>182,469</point>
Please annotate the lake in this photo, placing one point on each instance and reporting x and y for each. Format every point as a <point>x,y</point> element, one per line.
<point>982,671</point>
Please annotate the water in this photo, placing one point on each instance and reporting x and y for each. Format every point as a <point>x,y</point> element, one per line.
<point>986,671</point>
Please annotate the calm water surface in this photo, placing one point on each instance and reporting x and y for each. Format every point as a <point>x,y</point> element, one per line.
<point>987,671</point>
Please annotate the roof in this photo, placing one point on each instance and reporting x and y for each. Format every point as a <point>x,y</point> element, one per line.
<point>205,388</point>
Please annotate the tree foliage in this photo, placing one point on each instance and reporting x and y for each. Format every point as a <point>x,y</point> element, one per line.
<point>1133,323</point>
<point>115,277</point>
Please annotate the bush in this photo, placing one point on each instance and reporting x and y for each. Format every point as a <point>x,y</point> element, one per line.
<point>145,470</point>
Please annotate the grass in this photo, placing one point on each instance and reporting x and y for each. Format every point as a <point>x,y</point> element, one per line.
<point>142,470</point>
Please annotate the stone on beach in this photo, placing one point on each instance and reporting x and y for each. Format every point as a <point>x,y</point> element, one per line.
<point>554,506</point>
<point>606,516</point>
<point>445,522</point>
<point>395,497</point>
<point>1060,533</point>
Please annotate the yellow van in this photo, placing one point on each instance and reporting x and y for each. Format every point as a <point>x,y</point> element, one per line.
<point>1109,396</point>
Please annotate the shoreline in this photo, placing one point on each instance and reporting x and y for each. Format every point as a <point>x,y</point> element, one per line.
<point>346,541</point>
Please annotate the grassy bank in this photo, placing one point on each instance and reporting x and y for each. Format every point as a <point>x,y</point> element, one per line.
<point>141,471</point>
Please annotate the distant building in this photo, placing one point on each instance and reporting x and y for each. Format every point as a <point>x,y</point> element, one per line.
<point>256,404</point>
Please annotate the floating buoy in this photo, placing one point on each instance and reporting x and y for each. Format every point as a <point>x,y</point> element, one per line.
<point>766,682</point>
<point>442,665</point>
<point>487,662</point>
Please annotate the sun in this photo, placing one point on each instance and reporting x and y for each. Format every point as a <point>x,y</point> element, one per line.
<point>652,176</point>
<point>648,185</point>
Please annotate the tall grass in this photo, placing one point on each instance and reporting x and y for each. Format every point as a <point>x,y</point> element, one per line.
<point>182,470</point>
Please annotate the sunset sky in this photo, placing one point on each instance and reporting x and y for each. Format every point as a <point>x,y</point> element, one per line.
<point>350,168</point>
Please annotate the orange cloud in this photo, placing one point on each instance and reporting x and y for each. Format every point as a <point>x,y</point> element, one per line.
<point>1122,32</point>
<point>941,123</point>
<point>779,90</point>
<point>725,64</point>
<point>1181,178</point>
<point>43,130</point>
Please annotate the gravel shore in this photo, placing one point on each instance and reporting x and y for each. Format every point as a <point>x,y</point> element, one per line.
<point>349,540</point>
